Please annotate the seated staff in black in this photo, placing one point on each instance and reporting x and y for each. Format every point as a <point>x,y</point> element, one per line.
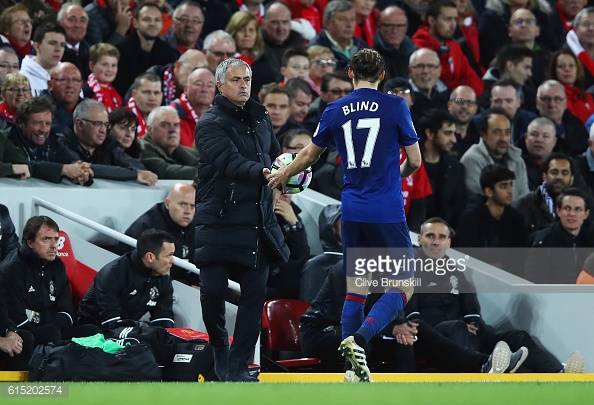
<point>8,237</point>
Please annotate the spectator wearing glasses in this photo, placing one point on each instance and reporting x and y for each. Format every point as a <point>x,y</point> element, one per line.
<point>163,153</point>
<point>399,86</point>
<point>243,26</point>
<point>142,48</point>
<point>188,21</point>
<point>334,86</point>
<point>75,21</point>
<point>463,106</point>
<point>551,102</point>
<point>321,61</point>
<point>218,46</point>
<point>49,43</point>
<point>9,62</point>
<point>16,28</point>
<point>15,89</point>
<point>428,90</point>
<point>391,41</point>
<point>64,91</point>
<point>92,145</point>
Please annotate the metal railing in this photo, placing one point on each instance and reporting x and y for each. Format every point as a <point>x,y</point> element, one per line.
<point>120,237</point>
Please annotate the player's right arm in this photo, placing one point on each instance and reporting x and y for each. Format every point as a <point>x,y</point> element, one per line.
<point>412,161</point>
<point>304,159</point>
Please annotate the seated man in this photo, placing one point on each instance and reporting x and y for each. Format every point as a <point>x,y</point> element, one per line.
<point>133,285</point>
<point>64,91</point>
<point>276,100</point>
<point>16,345</point>
<point>537,144</point>
<point>13,161</point>
<point>546,265</point>
<point>162,152</point>
<point>428,89</point>
<point>176,216</point>
<point>49,158</point>
<point>92,145</point>
<point>8,237</point>
<point>455,312</point>
<point>36,288</point>
<point>300,97</point>
<point>146,96</point>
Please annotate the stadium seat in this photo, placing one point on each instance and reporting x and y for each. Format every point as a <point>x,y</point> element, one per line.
<point>80,275</point>
<point>280,324</point>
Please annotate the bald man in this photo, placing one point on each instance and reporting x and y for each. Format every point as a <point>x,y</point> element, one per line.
<point>64,89</point>
<point>176,216</point>
<point>197,97</point>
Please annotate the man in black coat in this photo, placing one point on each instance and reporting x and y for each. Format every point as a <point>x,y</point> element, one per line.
<point>176,216</point>
<point>236,229</point>
<point>35,287</point>
<point>8,237</point>
<point>134,284</point>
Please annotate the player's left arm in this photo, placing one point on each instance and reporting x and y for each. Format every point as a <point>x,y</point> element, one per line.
<point>412,161</point>
<point>304,159</point>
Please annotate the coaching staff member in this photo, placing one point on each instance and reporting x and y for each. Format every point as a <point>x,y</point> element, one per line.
<point>236,228</point>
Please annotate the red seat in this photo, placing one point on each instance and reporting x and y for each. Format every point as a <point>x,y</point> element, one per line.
<point>80,275</point>
<point>280,322</point>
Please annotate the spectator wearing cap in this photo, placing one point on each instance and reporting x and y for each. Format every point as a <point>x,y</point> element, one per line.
<point>391,41</point>
<point>399,86</point>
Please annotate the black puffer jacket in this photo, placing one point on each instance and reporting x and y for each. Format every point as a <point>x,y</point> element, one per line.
<point>234,213</point>
<point>8,237</point>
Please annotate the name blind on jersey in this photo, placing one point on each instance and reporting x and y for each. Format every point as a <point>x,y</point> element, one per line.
<point>360,106</point>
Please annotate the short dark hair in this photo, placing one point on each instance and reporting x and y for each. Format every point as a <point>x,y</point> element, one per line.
<point>573,192</point>
<point>493,174</point>
<point>32,106</point>
<point>33,226</point>
<point>45,28</point>
<point>507,83</point>
<point>144,5</point>
<point>295,84</point>
<point>514,53</point>
<point>271,88</point>
<point>437,220</point>
<point>328,77</point>
<point>367,65</point>
<point>433,120</point>
<point>558,156</point>
<point>483,123</point>
<point>152,240</point>
<point>434,8</point>
<point>126,117</point>
<point>290,52</point>
<point>148,76</point>
<point>286,138</point>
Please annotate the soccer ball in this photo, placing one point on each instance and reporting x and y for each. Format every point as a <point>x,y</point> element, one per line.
<point>298,182</point>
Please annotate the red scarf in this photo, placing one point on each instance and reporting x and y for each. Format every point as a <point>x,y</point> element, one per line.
<point>6,113</point>
<point>183,101</point>
<point>246,59</point>
<point>259,14</point>
<point>107,95</point>
<point>22,51</point>
<point>366,30</point>
<point>578,50</point>
<point>168,86</point>
<point>141,128</point>
<point>567,24</point>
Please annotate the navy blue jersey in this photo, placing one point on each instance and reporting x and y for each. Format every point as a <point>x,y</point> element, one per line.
<point>368,128</point>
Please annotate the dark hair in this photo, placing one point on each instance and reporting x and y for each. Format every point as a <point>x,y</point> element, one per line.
<point>328,77</point>
<point>148,76</point>
<point>45,28</point>
<point>434,8</point>
<point>295,84</point>
<point>144,5</point>
<point>33,226</point>
<point>126,117</point>
<point>437,220</point>
<point>574,192</point>
<point>394,82</point>
<point>433,120</point>
<point>483,123</point>
<point>367,65</point>
<point>493,174</point>
<point>507,83</point>
<point>152,241</point>
<point>558,156</point>
<point>271,88</point>
<point>580,76</point>
<point>287,137</point>
<point>290,52</point>
<point>33,105</point>
<point>513,53</point>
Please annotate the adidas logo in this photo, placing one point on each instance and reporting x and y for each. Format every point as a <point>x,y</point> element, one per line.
<point>133,292</point>
<point>31,289</point>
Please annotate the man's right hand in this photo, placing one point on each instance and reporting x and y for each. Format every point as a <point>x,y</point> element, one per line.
<point>123,17</point>
<point>12,344</point>
<point>78,172</point>
<point>21,170</point>
<point>147,177</point>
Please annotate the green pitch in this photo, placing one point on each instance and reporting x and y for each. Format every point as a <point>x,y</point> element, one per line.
<point>507,393</point>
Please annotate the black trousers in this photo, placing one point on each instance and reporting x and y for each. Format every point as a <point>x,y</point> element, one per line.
<point>45,334</point>
<point>20,362</point>
<point>538,361</point>
<point>249,312</point>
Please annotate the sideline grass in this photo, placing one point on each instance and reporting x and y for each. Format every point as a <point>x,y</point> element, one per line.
<point>329,393</point>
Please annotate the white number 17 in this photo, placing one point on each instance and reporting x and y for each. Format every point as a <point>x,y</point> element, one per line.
<point>373,124</point>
